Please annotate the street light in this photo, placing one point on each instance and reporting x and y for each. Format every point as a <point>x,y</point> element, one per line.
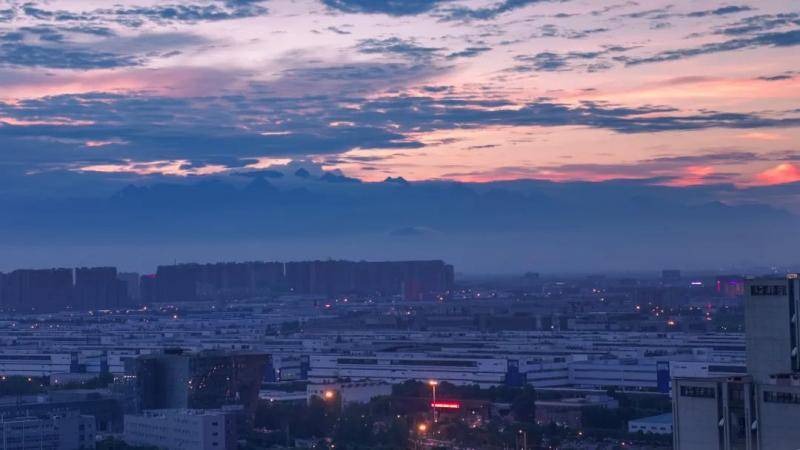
<point>421,429</point>
<point>433,384</point>
<point>524,439</point>
<point>329,394</point>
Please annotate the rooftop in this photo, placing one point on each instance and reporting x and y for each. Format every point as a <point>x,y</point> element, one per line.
<point>661,418</point>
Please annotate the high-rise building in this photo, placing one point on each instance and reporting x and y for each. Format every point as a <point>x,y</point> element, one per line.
<point>133,290</point>
<point>759,411</point>
<point>149,289</point>
<point>193,282</point>
<point>411,279</point>
<point>205,380</point>
<point>39,290</point>
<point>98,288</point>
<point>670,275</point>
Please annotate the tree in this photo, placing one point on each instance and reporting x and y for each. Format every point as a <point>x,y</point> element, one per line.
<point>523,406</point>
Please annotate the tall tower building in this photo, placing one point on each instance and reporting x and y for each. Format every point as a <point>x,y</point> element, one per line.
<point>204,380</point>
<point>771,327</point>
<point>759,411</point>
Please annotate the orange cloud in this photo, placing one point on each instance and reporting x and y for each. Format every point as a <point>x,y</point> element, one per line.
<point>167,167</point>
<point>694,175</point>
<point>780,174</point>
<point>761,136</point>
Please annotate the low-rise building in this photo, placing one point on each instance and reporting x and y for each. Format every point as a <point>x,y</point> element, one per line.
<point>63,431</point>
<point>352,392</point>
<point>660,424</point>
<point>568,412</point>
<point>182,429</point>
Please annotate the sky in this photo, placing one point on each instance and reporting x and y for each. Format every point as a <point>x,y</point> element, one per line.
<point>503,108</point>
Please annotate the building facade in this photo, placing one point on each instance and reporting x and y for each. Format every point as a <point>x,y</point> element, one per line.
<point>203,380</point>
<point>62,431</point>
<point>182,429</point>
<point>760,410</point>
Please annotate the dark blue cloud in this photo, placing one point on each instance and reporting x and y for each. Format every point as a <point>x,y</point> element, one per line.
<point>721,11</point>
<point>209,11</point>
<point>35,12</point>
<point>396,47</point>
<point>469,52</point>
<point>338,30</point>
<point>551,31</point>
<point>651,14</point>
<point>780,77</point>
<point>59,57</point>
<point>775,39</point>
<point>487,13</point>
<point>190,13</point>
<point>7,15</point>
<point>589,61</point>
<point>390,7</point>
<point>48,46</point>
<point>231,131</point>
<point>760,24</point>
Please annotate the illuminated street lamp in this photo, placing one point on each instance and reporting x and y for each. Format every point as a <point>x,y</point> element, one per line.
<point>421,429</point>
<point>328,395</point>
<point>433,384</point>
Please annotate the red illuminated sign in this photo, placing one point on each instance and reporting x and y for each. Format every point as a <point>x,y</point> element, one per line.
<point>446,405</point>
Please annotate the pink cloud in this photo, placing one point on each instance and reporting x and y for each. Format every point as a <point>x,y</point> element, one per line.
<point>694,175</point>
<point>174,81</point>
<point>780,174</point>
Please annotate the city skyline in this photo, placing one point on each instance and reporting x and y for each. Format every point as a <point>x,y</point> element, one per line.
<point>499,135</point>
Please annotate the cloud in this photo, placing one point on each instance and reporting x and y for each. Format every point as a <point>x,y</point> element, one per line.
<point>397,47</point>
<point>682,170</point>
<point>486,13</point>
<point>55,57</point>
<point>31,10</point>
<point>721,11</point>
<point>776,39</point>
<point>469,52</point>
<point>788,75</point>
<point>389,7</point>
<point>651,14</point>
<point>46,46</point>
<point>780,174</point>
<point>552,31</point>
<point>226,133</point>
<point>760,24</point>
<point>222,10</point>
<point>7,15</point>
<point>212,11</point>
<point>338,30</point>
<point>590,61</point>
<point>354,78</point>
